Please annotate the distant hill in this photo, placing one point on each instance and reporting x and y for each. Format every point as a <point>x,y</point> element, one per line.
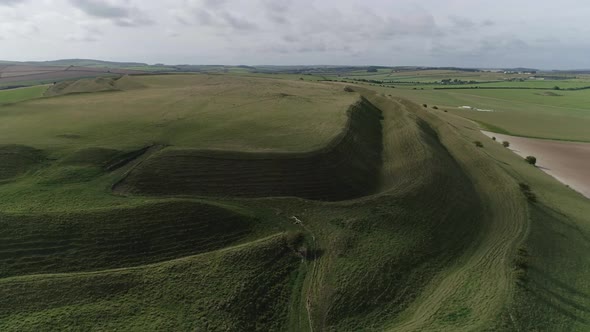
<point>77,62</point>
<point>522,69</point>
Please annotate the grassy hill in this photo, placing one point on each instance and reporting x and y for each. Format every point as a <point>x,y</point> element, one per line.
<point>90,85</point>
<point>77,62</point>
<point>248,203</point>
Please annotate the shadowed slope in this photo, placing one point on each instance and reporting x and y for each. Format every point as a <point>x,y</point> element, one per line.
<point>120,237</point>
<point>18,159</point>
<point>347,168</point>
<point>245,288</point>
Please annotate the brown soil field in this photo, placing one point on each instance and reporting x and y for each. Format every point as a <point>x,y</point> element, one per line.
<point>568,162</point>
<point>19,73</point>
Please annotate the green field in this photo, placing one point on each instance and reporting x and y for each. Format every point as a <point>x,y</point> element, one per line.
<point>21,94</point>
<point>551,114</point>
<point>182,110</point>
<point>266,202</point>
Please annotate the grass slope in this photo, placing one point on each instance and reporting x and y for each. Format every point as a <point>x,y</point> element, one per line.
<point>550,264</point>
<point>447,241</point>
<point>18,159</point>
<point>484,268</point>
<point>112,238</point>
<point>244,288</point>
<point>346,168</point>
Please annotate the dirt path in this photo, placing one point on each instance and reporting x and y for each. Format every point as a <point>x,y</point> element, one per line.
<point>568,162</point>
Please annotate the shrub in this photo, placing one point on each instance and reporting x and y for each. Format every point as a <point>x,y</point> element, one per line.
<point>348,89</point>
<point>478,144</point>
<point>446,111</point>
<point>435,107</point>
<point>528,193</point>
<point>425,106</point>
<point>506,144</point>
<point>494,138</point>
<point>531,160</point>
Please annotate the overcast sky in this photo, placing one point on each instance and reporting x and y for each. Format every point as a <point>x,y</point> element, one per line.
<point>468,33</point>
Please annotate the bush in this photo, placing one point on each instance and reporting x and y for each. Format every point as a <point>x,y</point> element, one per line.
<point>506,144</point>
<point>531,160</point>
<point>348,89</point>
<point>528,193</point>
<point>494,138</point>
<point>425,106</point>
<point>478,144</point>
<point>435,107</point>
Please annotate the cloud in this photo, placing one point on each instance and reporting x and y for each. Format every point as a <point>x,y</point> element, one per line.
<point>214,14</point>
<point>85,35</point>
<point>461,22</point>
<point>488,23</point>
<point>11,2</point>
<point>21,30</point>
<point>401,32</point>
<point>277,10</point>
<point>236,22</point>
<point>124,16</point>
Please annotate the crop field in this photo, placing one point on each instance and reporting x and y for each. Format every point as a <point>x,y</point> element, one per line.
<point>242,201</point>
<point>21,75</point>
<point>566,161</point>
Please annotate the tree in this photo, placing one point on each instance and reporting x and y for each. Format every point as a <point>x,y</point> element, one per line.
<point>425,106</point>
<point>478,144</point>
<point>556,88</point>
<point>531,160</point>
<point>506,144</point>
<point>493,138</point>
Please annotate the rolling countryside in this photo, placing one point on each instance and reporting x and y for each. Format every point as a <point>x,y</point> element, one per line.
<point>163,202</point>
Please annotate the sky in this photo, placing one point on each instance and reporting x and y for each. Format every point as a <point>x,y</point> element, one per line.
<point>476,33</point>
